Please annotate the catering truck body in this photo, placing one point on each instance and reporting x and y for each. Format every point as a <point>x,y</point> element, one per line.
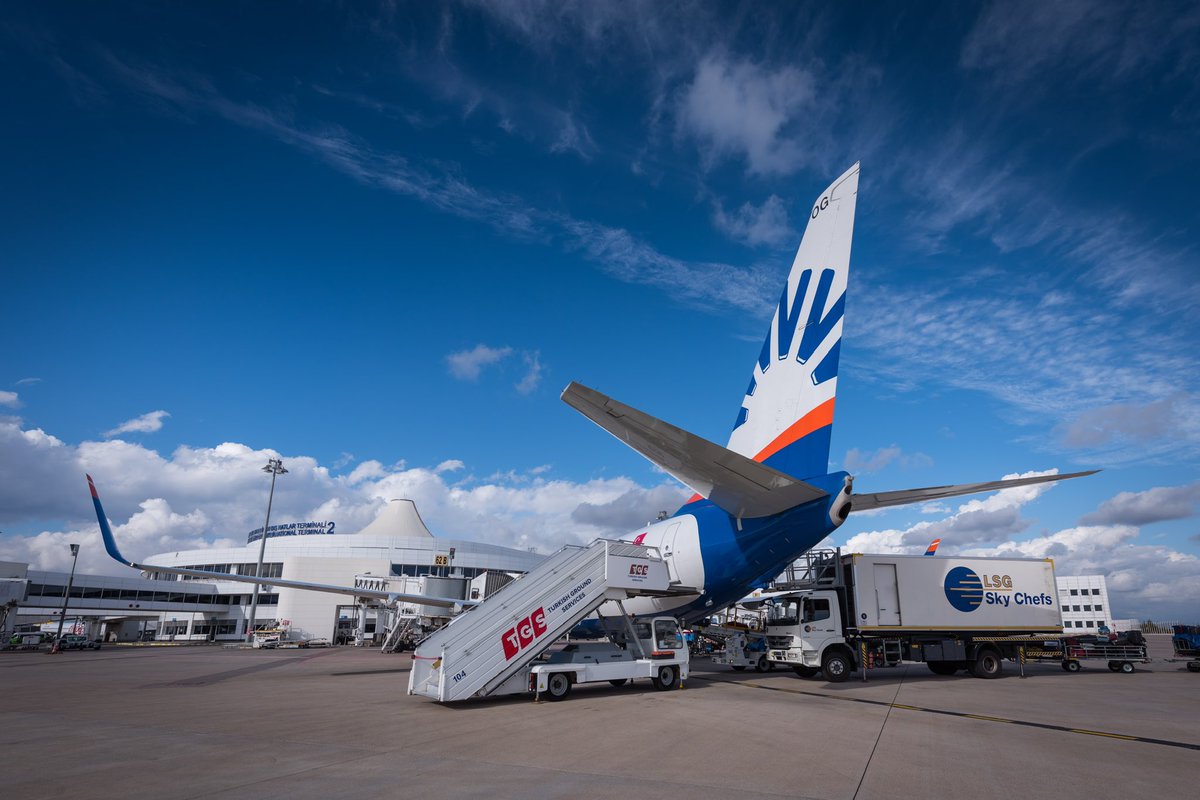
<point>846,612</point>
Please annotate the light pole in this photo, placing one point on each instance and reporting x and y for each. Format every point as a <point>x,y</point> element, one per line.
<point>275,467</point>
<point>62,615</point>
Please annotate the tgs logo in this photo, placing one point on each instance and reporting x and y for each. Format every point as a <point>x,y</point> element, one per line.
<point>816,327</point>
<point>964,589</point>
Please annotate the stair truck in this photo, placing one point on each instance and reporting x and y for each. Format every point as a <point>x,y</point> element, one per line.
<point>856,611</point>
<point>503,645</point>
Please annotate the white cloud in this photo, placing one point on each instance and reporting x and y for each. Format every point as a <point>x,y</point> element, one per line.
<point>1121,421</point>
<point>146,423</point>
<point>1142,508</point>
<point>466,365</point>
<point>738,109</point>
<point>199,497</point>
<point>9,399</point>
<point>861,463</point>
<point>756,225</point>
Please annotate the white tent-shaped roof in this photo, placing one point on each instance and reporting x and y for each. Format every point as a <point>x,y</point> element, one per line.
<point>398,518</point>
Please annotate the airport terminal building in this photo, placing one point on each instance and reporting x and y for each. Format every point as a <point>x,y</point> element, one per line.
<point>394,551</point>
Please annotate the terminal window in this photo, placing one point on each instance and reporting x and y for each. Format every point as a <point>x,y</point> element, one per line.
<point>1087,608</point>
<point>1095,591</point>
<point>1099,608</point>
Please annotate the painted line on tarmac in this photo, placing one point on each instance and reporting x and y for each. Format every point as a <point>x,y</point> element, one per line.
<point>982,717</point>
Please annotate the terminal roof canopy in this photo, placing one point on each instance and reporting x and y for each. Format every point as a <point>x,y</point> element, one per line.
<point>398,518</point>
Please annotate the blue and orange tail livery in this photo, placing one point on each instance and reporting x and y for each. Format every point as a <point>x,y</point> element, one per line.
<point>786,417</point>
<point>933,546</point>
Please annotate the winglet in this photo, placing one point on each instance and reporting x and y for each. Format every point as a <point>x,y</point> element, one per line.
<point>110,544</point>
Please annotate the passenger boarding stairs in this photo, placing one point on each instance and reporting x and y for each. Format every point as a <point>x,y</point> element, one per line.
<point>490,645</point>
<point>402,628</point>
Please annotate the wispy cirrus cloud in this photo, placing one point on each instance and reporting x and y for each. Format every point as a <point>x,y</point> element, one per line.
<point>766,224</point>
<point>1084,41</point>
<point>147,423</point>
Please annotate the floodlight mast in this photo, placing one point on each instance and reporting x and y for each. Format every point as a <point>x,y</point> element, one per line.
<point>62,615</point>
<point>275,467</point>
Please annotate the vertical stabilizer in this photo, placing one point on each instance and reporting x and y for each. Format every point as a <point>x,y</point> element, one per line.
<point>787,415</point>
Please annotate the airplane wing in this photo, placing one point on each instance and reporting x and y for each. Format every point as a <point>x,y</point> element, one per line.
<point>110,545</point>
<point>865,502</point>
<point>739,485</point>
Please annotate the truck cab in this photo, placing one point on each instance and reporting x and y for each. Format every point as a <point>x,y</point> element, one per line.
<point>653,649</point>
<point>803,630</point>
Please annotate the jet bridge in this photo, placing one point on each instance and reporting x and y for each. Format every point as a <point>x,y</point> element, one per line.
<point>488,648</point>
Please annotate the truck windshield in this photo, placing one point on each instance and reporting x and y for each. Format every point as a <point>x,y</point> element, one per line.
<point>666,635</point>
<point>784,612</point>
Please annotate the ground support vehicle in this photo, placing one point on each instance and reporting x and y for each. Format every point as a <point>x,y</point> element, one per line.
<point>857,612</point>
<point>1070,651</point>
<point>75,641</point>
<point>658,653</point>
<point>1186,641</point>
<point>742,648</point>
<point>496,647</point>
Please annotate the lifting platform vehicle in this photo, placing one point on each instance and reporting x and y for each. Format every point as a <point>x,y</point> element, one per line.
<point>859,611</point>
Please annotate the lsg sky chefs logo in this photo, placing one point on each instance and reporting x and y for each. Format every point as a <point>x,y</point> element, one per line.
<point>967,591</point>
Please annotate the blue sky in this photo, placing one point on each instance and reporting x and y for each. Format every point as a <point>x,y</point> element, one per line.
<point>378,240</point>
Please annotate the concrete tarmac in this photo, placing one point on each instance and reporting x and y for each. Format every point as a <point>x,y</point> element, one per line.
<point>207,722</point>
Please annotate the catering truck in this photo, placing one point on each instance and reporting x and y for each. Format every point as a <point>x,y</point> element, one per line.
<point>852,611</point>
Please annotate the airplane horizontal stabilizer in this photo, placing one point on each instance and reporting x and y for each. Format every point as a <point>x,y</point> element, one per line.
<point>865,502</point>
<point>735,483</point>
<point>110,545</point>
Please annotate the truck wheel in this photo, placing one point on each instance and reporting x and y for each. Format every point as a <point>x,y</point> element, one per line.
<point>1113,666</point>
<point>665,678</point>
<point>942,667</point>
<point>987,664</point>
<point>618,682</point>
<point>762,664</point>
<point>1071,666</point>
<point>558,686</point>
<point>1194,666</point>
<point>837,666</point>
<point>805,672</point>
<point>1127,667</point>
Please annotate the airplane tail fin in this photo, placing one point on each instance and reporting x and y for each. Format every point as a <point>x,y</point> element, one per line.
<point>786,418</point>
<point>933,546</point>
